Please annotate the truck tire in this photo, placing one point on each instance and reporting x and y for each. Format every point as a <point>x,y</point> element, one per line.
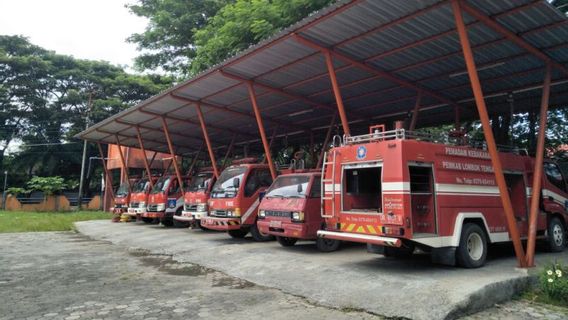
<point>472,250</point>
<point>148,220</point>
<point>180,224</point>
<point>239,233</point>
<point>286,242</point>
<point>402,252</point>
<point>556,235</point>
<point>327,245</point>
<point>259,236</point>
<point>167,222</point>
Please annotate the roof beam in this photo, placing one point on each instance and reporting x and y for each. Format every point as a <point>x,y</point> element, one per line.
<point>513,37</point>
<point>134,138</point>
<point>374,70</point>
<point>235,112</point>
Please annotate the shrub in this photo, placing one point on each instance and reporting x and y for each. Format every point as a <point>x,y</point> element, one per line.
<point>16,191</point>
<point>49,185</point>
<point>554,282</point>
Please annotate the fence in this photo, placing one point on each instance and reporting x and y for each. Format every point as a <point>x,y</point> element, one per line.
<point>36,202</point>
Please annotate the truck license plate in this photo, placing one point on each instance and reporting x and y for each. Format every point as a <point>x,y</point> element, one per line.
<point>276,224</point>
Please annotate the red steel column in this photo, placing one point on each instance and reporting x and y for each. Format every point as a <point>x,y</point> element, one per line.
<point>326,141</point>
<point>229,151</point>
<point>261,129</point>
<point>538,167</point>
<point>148,171</point>
<point>415,112</point>
<point>123,162</point>
<point>207,141</point>
<point>108,180</point>
<point>171,148</point>
<point>490,139</point>
<point>336,92</point>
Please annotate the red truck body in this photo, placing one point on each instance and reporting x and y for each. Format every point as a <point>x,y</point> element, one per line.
<point>396,192</point>
<point>290,210</point>
<point>234,200</point>
<point>139,197</point>
<point>121,199</point>
<point>164,201</point>
<point>195,198</point>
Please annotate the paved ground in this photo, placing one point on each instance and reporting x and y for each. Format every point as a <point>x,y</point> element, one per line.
<point>521,310</point>
<point>350,279</point>
<point>67,276</point>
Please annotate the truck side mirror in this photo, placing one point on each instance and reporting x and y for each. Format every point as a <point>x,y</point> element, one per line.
<point>236,183</point>
<point>300,188</point>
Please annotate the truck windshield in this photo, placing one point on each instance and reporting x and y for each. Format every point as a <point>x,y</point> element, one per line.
<point>140,186</point>
<point>161,185</point>
<point>224,187</point>
<point>122,190</point>
<point>198,182</point>
<point>289,187</point>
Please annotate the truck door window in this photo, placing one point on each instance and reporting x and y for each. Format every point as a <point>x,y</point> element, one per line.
<point>362,189</point>
<point>316,188</point>
<point>174,187</point>
<point>258,178</point>
<point>554,175</point>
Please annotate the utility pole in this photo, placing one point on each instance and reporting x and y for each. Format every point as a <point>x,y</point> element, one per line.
<point>4,192</point>
<point>81,180</point>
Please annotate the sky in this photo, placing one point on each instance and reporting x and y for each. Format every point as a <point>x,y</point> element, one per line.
<point>85,29</point>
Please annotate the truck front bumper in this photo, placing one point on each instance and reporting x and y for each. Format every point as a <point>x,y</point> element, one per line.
<point>153,214</point>
<point>189,216</point>
<point>286,229</point>
<point>133,212</point>
<point>221,224</point>
<point>361,238</point>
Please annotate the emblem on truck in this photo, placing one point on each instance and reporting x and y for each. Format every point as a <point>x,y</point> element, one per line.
<point>361,153</point>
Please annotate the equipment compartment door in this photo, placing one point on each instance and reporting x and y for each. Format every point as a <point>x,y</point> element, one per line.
<point>422,198</point>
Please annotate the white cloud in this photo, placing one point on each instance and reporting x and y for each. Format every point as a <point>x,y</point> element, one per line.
<point>85,29</point>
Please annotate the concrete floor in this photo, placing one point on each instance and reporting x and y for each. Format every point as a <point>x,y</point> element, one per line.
<point>68,276</point>
<point>350,279</point>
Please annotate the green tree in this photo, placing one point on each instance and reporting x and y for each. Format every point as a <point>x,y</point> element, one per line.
<point>48,185</point>
<point>244,23</point>
<point>167,42</point>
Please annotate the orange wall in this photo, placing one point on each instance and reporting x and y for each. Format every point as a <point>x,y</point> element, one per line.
<point>134,158</point>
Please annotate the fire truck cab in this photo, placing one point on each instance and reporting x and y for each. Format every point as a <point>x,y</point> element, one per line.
<point>164,201</point>
<point>139,197</point>
<point>195,198</point>
<point>234,200</point>
<point>121,199</point>
<point>397,191</point>
<point>290,210</point>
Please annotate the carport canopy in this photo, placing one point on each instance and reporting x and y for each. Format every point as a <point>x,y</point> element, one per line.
<point>384,53</point>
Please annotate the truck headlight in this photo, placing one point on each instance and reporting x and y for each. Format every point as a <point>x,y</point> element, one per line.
<point>236,212</point>
<point>201,207</point>
<point>261,214</point>
<point>298,216</point>
<point>142,205</point>
<point>161,207</point>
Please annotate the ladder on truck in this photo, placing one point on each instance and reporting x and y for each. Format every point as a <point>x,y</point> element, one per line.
<point>328,182</point>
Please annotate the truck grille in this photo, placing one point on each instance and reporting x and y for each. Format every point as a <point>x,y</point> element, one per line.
<point>153,208</point>
<point>134,205</point>
<point>219,213</point>
<point>190,207</point>
<point>282,214</point>
<point>119,206</point>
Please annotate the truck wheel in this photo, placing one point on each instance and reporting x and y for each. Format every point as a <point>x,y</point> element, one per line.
<point>239,233</point>
<point>472,250</point>
<point>167,222</point>
<point>556,235</point>
<point>181,224</point>
<point>259,236</point>
<point>327,245</point>
<point>402,252</point>
<point>286,242</point>
<point>148,220</point>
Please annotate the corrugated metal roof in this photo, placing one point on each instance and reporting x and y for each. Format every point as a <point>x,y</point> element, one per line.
<point>414,41</point>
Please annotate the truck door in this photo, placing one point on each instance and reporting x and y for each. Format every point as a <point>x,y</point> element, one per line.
<point>554,189</point>
<point>422,199</point>
<point>257,181</point>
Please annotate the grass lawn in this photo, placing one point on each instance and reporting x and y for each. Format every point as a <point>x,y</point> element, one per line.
<point>21,221</point>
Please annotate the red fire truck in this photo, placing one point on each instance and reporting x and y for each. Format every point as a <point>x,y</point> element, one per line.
<point>234,200</point>
<point>397,191</point>
<point>139,197</point>
<point>195,198</point>
<point>165,201</point>
<point>290,210</point>
<point>121,199</point>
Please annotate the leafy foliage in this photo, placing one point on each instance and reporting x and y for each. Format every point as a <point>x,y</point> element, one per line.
<point>49,185</point>
<point>16,191</point>
<point>167,42</point>
<point>244,23</point>
<point>554,282</point>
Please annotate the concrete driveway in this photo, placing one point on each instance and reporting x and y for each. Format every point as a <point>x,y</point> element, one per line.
<point>350,279</point>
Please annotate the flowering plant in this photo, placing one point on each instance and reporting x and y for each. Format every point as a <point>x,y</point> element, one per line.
<point>554,281</point>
